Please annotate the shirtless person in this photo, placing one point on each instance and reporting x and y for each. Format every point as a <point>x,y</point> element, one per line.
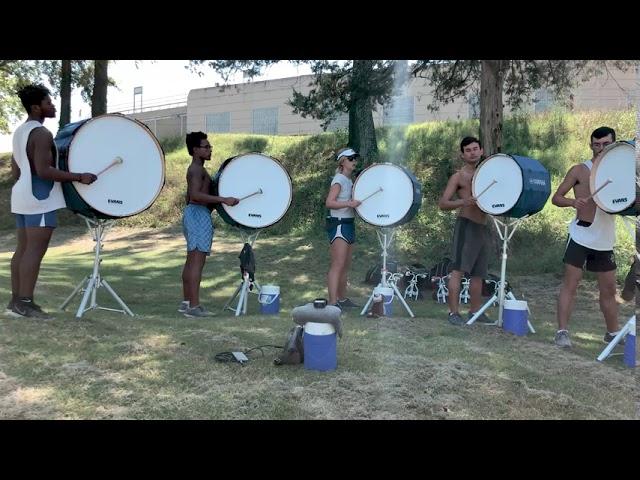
<point>470,236</point>
<point>592,235</point>
<point>197,224</point>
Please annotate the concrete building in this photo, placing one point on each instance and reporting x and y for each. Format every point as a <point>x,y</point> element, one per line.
<point>261,107</point>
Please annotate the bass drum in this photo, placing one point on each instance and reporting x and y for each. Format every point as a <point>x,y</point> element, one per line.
<point>136,175</point>
<point>511,185</point>
<point>617,168</point>
<point>390,194</point>
<point>261,183</point>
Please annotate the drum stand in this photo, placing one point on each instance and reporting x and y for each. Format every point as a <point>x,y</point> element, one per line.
<point>245,284</point>
<point>630,326</point>
<point>385,237</point>
<point>93,282</point>
<point>500,296</point>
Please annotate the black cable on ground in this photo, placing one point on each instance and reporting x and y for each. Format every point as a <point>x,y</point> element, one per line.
<point>226,357</point>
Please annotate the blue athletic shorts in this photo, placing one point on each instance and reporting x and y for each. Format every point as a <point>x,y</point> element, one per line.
<point>37,220</point>
<point>343,228</point>
<point>197,227</point>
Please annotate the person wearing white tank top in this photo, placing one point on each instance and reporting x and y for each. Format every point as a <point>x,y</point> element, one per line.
<point>340,227</point>
<point>35,197</point>
<point>589,244</point>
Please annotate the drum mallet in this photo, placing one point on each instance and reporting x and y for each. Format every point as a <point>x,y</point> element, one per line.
<point>116,161</point>
<point>600,188</point>
<point>488,187</point>
<point>251,194</point>
<point>371,194</point>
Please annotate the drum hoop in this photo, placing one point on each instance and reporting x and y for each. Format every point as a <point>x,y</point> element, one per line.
<point>279,163</point>
<point>594,170</point>
<point>155,140</point>
<point>399,167</point>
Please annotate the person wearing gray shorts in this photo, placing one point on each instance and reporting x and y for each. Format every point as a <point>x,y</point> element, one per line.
<point>470,236</point>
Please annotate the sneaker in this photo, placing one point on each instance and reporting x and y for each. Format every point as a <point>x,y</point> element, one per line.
<point>184,306</point>
<point>608,338</point>
<point>481,319</point>
<point>9,306</point>
<point>455,319</point>
<point>30,310</point>
<point>337,304</point>
<point>37,307</point>
<point>347,303</point>
<point>197,311</point>
<point>562,339</point>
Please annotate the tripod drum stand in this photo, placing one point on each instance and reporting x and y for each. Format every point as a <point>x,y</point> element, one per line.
<point>90,285</point>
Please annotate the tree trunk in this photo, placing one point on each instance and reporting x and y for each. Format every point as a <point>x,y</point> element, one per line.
<point>65,93</point>
<point>362,133</point>
<point>100,84</point>
<point>491,82</point>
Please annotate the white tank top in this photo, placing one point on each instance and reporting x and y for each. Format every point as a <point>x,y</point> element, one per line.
<point>22,199</point>
<point>601,234</point>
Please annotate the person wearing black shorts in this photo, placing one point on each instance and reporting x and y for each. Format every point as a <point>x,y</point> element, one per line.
<point>589,245</point>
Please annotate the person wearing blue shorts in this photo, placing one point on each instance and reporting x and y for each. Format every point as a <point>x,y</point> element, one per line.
<point>197,224</point>
<point>35,197</point>
<point>341,228</point>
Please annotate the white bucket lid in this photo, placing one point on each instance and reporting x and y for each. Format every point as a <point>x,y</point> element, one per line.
<point>270,290</point>
<point>515,304</point>
<point>386,291</point>
<point>314,328</point>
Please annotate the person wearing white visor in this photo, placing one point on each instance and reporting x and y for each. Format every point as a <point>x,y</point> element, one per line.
<point>340,227</point>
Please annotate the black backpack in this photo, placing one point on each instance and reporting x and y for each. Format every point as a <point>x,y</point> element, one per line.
<point>440,269</point>
<point>373,277</point>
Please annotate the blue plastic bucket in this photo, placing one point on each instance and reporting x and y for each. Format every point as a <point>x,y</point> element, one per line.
<point>320,347</point>
<point>269,299</point>
<point>515,316</point>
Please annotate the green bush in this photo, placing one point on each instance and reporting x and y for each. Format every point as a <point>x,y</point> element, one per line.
<point>430,150</point>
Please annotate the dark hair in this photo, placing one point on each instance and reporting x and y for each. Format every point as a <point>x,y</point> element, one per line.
<point>603,132</point>
<point>467,141</point>
<point>32,95</point>
<point>194,139</point>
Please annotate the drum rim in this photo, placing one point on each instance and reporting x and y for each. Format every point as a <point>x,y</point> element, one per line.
<point>594,169</point>
<point>279,163</point>
<point>155,140</point>
<point>405,170</point>
<point>473,182</point>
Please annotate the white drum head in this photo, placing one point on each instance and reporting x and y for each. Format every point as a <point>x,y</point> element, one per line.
<point>618,164</point>
<point>504,194</point>
<point>388,206</point>
<point>126,188</point>
<point>247,174</point>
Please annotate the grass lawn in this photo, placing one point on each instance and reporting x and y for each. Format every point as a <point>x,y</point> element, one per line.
<point>160,365</point>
